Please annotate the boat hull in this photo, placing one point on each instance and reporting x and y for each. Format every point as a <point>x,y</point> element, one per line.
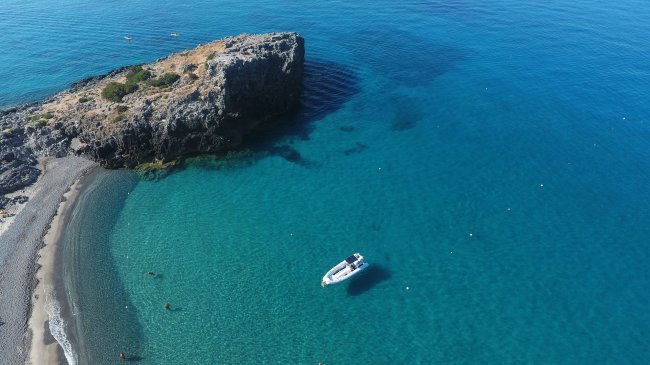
<point>332,278</point>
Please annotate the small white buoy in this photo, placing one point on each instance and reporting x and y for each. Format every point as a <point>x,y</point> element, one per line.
<point>509,209</point>
<point>407,288</point>
<point>623,118</point>
<point>380,169</point>
<point>541,185</point>
<point>471,234</point>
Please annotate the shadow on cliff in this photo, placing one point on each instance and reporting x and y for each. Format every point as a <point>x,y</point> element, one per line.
<point>368,279</point>
<point>327,86</point>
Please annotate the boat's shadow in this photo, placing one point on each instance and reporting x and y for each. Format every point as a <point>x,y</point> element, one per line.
<point>368,279</point>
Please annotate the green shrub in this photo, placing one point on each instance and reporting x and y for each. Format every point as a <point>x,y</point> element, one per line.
<point>165,80</point>
<point>118,118</point>
<point>137,74</point>
<point>115,91</point>
<point>211,56</point>
<point>193,76</point>
<point>84,99</point>
<point>47,115</point>
<point>122,108</point>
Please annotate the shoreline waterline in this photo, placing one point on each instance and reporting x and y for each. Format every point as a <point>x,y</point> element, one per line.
<point>50,344</point>
<point>94,321</point>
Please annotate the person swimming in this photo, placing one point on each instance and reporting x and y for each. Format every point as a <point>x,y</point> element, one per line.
<point>122,356</point>
<point>167,306</point>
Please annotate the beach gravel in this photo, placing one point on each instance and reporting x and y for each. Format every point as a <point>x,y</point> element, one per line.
<point>19,245</point>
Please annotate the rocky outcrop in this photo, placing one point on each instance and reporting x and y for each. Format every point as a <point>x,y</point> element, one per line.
<point>17,158</point>
<point>194,102</point>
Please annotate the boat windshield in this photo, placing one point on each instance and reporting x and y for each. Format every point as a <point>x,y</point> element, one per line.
<point>351,259</point>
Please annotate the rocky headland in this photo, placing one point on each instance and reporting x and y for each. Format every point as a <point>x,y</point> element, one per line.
<point>194,102</point>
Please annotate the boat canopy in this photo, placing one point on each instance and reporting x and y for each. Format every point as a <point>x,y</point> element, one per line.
<point>351,259</point>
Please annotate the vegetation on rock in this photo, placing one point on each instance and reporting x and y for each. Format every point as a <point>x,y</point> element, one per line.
<point>115,91</point>
<point>137,74</point>
<point>48,115</point>
<point>165,80</point>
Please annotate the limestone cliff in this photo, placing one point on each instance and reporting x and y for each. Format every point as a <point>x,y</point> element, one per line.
<point>193,102</point>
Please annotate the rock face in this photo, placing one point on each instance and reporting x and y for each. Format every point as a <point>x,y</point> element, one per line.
<point>17,158</point>
<point>194,102</point>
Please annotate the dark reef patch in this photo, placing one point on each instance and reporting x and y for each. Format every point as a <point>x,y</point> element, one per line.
<point>407,115</point>
<point>383,49</point>
<point>288,153</point>
<point>358,148</point>
<point>233,159</point>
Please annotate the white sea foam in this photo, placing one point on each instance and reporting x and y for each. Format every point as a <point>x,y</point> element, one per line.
<point>57,328</point>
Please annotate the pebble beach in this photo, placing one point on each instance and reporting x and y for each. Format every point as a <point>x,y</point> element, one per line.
<point>19,244</point>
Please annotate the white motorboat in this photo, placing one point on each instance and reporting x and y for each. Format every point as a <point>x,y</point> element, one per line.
<point>344,270</point>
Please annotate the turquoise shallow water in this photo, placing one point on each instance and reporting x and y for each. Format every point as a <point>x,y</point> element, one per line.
<point>490,156</point>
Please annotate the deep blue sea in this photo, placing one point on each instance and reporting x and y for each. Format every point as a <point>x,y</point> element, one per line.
<point>491,160</point>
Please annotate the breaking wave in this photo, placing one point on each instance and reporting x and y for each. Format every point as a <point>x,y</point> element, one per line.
<point>57,328</point>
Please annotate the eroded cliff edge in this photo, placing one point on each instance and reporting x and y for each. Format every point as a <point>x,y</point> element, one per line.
<point>193,102</point>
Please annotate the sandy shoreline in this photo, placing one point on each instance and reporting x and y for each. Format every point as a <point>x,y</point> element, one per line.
<point>44,346</point>
<point>19,245</point>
